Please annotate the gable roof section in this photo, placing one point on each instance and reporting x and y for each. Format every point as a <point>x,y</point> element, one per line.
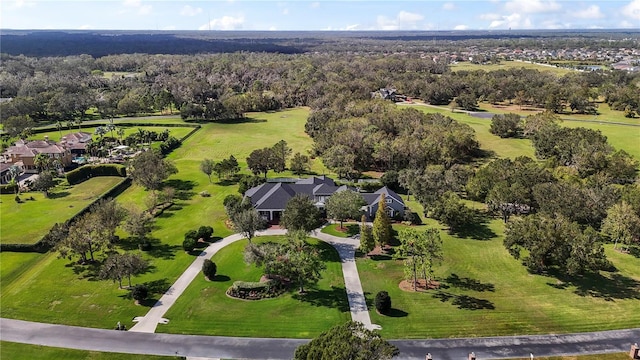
<point>370,198</point>
<point>276,198</point>
<point>390,193</point>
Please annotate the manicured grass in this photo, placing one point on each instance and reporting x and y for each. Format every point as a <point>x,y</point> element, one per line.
<point>16,351</point>
<point>505,65</point>
<point>75,299</point>
<point>621,137</point>
<point>204,308</point>
<point>486,292</point>
<point>29,221</point>
<point>497,147</point>
<point>177,132</point>
<point>349,230</point>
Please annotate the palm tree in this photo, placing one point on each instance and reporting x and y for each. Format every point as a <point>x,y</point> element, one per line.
<point>59,126</point>
<point>120,133</point>
<point>42,162</point>
<point>100,131</point>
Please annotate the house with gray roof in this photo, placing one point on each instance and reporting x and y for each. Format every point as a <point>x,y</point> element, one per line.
<point>270,199</point>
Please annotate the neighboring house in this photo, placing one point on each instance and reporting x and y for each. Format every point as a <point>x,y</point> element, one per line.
<point>76,142</point>
<point>5,174</point>
<point>270,199</point>
<point>388,94</point>
<point>26,152</point>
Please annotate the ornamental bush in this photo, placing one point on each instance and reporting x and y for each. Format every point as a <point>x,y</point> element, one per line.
<point>209,269</point>
<point>383,302</point>
<point>189,244</point>
<point>204,232</point>
<point>139,292</point>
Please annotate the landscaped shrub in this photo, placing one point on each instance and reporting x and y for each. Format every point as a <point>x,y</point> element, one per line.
<point>189,244</point>
<point>256,290</point>
<point>205,193</point>
<point>88,171</point>
<point>204,232</point>
<point>191,234</point>
<point>383,302</point>
<point>139,293</point>
<point>169,145</point>
<point>209,269</point>
<point>8,189</point>
<point>17,199</point>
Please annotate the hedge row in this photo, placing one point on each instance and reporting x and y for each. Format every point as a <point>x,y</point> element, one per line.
<point>8,189</point>
<point>86,126</point>
<point>43,245</point>
<point>88,171</point>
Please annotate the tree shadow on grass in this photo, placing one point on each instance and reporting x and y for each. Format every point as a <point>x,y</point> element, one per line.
<point>221,278</point>
<point>59,195</point>
<point>610,288</point>
<point>184,188</point>
<point>468,283</point>
<point>161,250</point>
<point>336,297</point>
<point>635,251</point>
<point>477,229</point>
<point>88,271</point>
<point>464,302</point>
<point>327,252</point>
<point>396,313</point>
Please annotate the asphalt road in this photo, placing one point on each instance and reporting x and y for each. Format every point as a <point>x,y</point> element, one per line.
<point>261,348</point>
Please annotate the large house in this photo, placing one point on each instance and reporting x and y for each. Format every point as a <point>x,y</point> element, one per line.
<point>270,199</point>
<point>25,152</point>
<point>76,142</point>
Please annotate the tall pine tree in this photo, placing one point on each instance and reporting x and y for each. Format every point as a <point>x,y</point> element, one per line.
<point>366,237</point>
<point>382,232</point>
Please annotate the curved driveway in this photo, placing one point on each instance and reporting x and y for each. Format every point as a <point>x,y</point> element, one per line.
<point>141,339</point>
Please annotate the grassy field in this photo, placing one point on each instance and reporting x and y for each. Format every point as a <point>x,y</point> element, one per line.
<point>204,308</point>
<point>351,229</point>
<point>44,288</point>
<point>622,137</point>
<point>505,65</point>
<point>27,222</point>
<point>177,132</point>
<point>16,351</point>
<point>486,292</point>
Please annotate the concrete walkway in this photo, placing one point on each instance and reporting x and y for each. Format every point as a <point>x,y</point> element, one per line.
<point>197,346</point>
<point>346,248</point>
<point>150,321</point>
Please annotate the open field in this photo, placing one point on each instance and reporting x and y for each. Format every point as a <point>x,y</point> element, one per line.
<point>204,308</point>
<point>29,221</point>
<point>31,283</point>
<point>333,229</point>
<point>177,132</point>
<point>17,351</point>
<point>622,137</point>
<point>486,292</point>
<point>504,65</point>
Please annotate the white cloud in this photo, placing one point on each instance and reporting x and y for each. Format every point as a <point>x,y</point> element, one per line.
<point>273,28</point>
<point>532,6</point>
<point>407,17</point>
<point>632,10</point>
<point>224,23</point>
<point>138,6</point>
<point>513,21</point>
<point>346,28</point>
<point>285,11</point>
<point>592,12</point>
<point>403,21</point>
<point>85,27</point>
<point>170,27</point>
<point>17,4</point>
<point>315,5</point>
<point>554,25</point>
<point>448,6</point>
<point>490,17</point>
<point>628,25</point>
<point>461,27</point>
<point>189,10</point>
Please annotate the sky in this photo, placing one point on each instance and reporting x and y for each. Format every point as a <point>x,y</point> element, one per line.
<point>319,14</point>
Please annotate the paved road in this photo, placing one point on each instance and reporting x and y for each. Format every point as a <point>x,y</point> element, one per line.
<point>260,348</point>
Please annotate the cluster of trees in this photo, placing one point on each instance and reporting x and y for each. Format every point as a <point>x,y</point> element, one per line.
<point>244,217</point>
<point>224,169</point>
<point>269,158</point>
<point>149,169</point>
<point>377,135</point>
<point>421,251</point>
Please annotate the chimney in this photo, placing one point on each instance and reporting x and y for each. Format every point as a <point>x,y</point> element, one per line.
<point>46,138</point>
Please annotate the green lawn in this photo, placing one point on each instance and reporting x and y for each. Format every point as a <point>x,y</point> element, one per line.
<point>177,132</point>
<point>16,351</point>
<point>486,292</point>
<point>622,137</point>
<point>505,65</point>
<point>351,229</point>
<point>204,308</point>
<point>29,221</point>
